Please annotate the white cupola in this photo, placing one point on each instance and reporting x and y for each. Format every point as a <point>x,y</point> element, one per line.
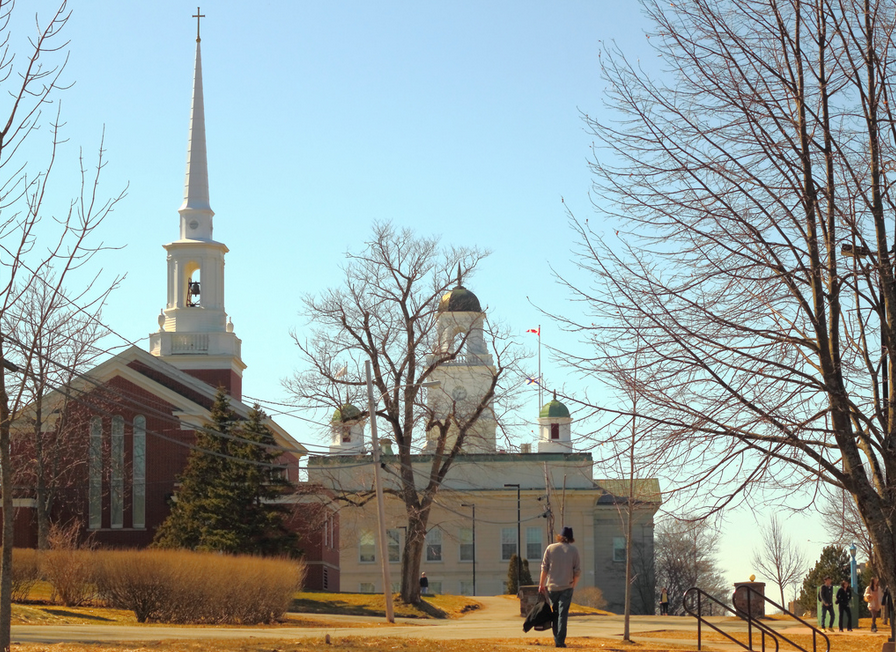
<point>465,379</point>
<point>554,429</point>
<point>347,429</point>
<point>195,334</point>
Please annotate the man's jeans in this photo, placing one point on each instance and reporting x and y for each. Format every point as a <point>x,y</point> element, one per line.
<point>561,601</point>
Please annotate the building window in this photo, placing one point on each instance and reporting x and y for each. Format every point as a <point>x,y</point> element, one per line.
<point>533,543</point>
<point>393,540</point>
<point>396,587</point>
<point>326,578</point>
<point>346,438</point>
<point>138,474</point>
<point>618,548</point>
<point>366,547</point>
<point>466,587</point>
<point>434,546</point>
<point>95,474</point>
<point>117,463</point>
<point>366,587</point>
<point>435,587</point>
<point>555,431</point>
<point>326,533</point>
<point>508,543</point>
<point>466,544</point>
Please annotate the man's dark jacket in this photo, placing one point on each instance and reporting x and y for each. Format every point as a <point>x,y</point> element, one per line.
<point>540,617</point>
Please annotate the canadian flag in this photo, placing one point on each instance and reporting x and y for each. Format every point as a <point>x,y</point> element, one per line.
<point>537,331</point>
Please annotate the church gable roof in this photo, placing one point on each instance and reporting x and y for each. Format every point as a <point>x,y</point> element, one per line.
<point>190,397</point>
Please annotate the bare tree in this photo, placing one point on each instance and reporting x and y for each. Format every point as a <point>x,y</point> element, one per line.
<point>30,247</point>
<point>778,557</point>
<point>48,438</point>
<point>386,312</point>
<point>732,189</point>
<point>685,558</point>
<point>843,523</point>
<point>624,455</point>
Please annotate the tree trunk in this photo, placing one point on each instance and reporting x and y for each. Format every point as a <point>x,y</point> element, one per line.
<point>413,555</point>
<point>6,487</point>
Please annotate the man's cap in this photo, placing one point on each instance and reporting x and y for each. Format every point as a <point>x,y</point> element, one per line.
<point>567,532</point>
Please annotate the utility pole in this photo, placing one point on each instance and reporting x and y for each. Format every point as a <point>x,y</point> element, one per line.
<point>380,503</point>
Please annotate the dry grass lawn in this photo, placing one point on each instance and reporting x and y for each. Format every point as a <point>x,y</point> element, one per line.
<point>368,604</point>
<point>369,644</point>
<point>435,606</point>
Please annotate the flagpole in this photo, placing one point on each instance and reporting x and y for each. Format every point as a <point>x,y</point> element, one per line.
<point>540,380</point>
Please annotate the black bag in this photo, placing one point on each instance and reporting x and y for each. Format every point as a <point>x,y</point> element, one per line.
<point>540,617</point>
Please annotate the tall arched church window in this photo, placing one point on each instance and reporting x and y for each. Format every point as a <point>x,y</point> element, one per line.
<point>138,474</point>
<point>555,431</point>
<point>95,474</point>
<point>117,479</point>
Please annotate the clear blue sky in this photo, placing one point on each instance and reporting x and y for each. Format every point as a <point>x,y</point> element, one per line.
<point>460,119</point>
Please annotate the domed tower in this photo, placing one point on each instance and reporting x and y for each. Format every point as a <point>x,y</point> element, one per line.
<point>465,379</point>
<point>554,431</point>
<point>347,427</point>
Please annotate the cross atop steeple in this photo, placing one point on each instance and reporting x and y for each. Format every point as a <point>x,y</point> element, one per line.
<point>198,17</point>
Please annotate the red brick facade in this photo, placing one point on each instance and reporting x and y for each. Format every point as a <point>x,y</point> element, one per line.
<point>138,393</point>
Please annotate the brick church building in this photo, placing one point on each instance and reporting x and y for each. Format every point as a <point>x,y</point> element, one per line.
<point>124,430</point>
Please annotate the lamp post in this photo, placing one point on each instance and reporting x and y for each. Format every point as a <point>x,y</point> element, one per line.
<point>519,556</point>
<point>378,487</point>
<point>473,506</point>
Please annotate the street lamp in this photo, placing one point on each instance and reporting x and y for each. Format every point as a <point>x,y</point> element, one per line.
<point>378,485</point>
<point>519,556</point>
<point>473,506</point>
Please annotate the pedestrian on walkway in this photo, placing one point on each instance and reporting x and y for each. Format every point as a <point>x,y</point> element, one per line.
<point>844,601</point>
<point>664,601</point>
<point>560,571</point>
<point>424,583</point>
<point>874,597</point>
<point>826,598</point>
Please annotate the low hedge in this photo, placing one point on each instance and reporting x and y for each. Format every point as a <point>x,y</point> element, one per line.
<point>176,586</point>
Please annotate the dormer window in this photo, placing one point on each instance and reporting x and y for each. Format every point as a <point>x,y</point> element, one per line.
<point>555,431</point>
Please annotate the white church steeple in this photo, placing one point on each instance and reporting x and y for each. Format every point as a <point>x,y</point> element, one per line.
<point>196,211</point>
<point>195,334</point>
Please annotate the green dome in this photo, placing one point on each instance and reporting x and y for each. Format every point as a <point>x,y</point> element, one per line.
<point>554,409</point>
<point>460,299</point>
<point>347,412</point>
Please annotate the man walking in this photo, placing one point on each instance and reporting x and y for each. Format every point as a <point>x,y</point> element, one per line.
<point>560,571</point>
<point>826,598</point>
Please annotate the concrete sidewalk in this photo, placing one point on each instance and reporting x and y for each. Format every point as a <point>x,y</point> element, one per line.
<point>498,619</point>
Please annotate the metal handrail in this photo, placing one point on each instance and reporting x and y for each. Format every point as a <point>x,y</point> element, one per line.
<point>700,593</point>
<point>815,630</point>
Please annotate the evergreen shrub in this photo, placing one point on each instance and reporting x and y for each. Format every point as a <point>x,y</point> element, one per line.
<point>179,586</point>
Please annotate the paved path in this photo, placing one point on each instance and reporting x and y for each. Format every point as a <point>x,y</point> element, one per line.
<point>499,618</point>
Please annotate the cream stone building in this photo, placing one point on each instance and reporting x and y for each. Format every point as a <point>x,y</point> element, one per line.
<point>467,554</point>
